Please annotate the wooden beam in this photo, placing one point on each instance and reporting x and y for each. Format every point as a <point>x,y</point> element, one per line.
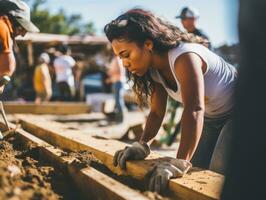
<point>197,185</point>
<point>93,183</point>
<point>59,108</point>
<point>132,122</point>
<point>30,53</point>
<point>130,98</point>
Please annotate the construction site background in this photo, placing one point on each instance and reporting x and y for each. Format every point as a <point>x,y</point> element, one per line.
<point>92,55</point>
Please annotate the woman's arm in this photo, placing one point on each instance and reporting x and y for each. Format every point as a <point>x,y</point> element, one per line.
<point>189,71</point>
<point>156,115</point>
<point>140,150</point>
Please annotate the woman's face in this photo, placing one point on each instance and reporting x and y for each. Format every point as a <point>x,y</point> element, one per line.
<point>135,58</point>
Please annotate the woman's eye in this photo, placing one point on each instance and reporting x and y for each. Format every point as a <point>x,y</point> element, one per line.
<point>126,55</point>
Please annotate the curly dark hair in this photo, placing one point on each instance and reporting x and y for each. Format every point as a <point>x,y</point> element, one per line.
<point>138,25</point>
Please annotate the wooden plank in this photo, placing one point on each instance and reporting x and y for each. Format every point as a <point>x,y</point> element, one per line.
<point>30,53</point>
<point>92,182</point>
<point>103,186</point>
<point>129,97</point>
<point>196,185</point>
<point>60,108</point>
<point>88,123</point>
<point>132,121</point>
<point>56,38</point>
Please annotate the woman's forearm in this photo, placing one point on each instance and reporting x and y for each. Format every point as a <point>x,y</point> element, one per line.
<point>191,127</point>
<point>152,127</point>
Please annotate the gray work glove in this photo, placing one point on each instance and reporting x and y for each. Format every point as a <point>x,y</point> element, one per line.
<point>137,151</point>
<point>160,174</point>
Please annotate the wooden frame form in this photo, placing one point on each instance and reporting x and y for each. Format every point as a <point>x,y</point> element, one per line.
<point>196,185</point>
<point>59,108</point>
<point>92,182</point>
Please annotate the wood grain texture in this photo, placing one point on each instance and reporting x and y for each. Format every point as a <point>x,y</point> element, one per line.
<point>94,184</point>
<point>198,184</point>
<point>59,108</point>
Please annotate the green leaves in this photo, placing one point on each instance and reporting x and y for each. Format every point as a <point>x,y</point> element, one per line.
<point>59,23</point>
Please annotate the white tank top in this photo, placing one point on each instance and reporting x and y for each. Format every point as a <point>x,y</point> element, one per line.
<point>219,79</point>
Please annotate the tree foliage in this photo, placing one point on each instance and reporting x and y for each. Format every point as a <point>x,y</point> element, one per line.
<point>59,23</point>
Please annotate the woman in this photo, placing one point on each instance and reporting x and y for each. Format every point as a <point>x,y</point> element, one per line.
<point>161,60</point>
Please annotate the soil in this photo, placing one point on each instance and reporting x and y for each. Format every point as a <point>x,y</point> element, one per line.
<point>23,176</point>
<point>86,158</point>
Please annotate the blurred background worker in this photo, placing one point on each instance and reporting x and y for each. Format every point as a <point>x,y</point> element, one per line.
<point>189,17</point>
<point>42,79</point>
<point>64,75</point>
<point>116,77</point>
<point>14,21</point>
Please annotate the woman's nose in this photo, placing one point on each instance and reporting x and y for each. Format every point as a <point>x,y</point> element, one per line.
<point>126,64</point>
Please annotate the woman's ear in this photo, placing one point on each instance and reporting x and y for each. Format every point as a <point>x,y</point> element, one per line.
<point>148,44</point>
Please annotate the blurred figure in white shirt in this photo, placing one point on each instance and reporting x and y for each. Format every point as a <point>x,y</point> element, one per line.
<point>64,75</point>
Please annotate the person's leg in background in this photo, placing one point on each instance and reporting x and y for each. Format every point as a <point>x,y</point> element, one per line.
<point>61,90</point>
<point>64,91</point>
<point>119,101</point>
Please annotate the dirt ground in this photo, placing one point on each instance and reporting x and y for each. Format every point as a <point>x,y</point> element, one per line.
<point>38,180</point>
<point>23,176</point>
<point>87,158</point>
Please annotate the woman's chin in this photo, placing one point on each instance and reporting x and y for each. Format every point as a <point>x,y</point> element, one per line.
<point>136,73</point>
<point>139,74</point>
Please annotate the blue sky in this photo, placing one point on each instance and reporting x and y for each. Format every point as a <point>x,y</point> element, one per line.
<point>218,18</point>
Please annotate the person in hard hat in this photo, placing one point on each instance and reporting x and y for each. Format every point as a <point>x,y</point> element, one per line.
<point>189,17</point>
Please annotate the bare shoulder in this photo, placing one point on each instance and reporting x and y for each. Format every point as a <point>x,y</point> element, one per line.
<point>189,65</point>
<point>188,60</point>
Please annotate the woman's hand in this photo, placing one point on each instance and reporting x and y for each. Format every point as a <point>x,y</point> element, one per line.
<point>137,151</point>
<point>161,174</point>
